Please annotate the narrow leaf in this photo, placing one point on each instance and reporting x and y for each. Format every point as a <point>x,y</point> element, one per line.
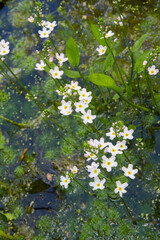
<point>139,63</point>
<point>104,80</point>
<point>97,35</point>
<point>72,52</point>
<point>72,74</point>
<point>139,42</point>
<point>108,63</point>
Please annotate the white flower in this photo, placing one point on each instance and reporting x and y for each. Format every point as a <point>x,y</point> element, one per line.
<point>65,181</point>
<point>97,184</point>
<point>93,143</point>
<point>87,99</point>
<point>65,108</point>
<point>152,70</point>
<point>120,188</point>
<point>51,25</point>
<point>80,106</point>
<point>102,144</point>
<point>4,44</point>
<point>43,23</point>
<point>4,50</point>
<point>61,58</point>
<point>88,117</point>
<point>93,169</point>
<point>108,163</point>
<point>129,172</point>
<point>111,134</point>
<point>44,33</point>
<point>101,50</point>
<point>127,134</point>
<point>74,169</point>
<point>122,145</point>
<point>31,19</point>
<point>83,94</point>
<point>109,34</point>
<point>40,66</point>
<point>56,73</point>
<point>74,85</point>
<point>91,155</point>
<point>113,149</point>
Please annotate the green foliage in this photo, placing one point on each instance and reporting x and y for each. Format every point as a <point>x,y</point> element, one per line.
<point>72,74</point>
<point>72,52</point>
<point>138,43</point>
<point>97,35</point>
<point>108,63</point>
<point>104,80</point>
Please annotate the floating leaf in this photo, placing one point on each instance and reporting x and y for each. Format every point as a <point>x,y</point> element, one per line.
<point>72,74</point>
<point>97,35</point>
<point>72,52</point>
<point>104,81</point>
<point>139,42</point>
<point>139,63</point>
<point>108,63</point>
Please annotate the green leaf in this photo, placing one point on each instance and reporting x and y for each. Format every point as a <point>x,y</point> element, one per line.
<point>108,63</point>
<point>139,63</point>
<point>139,42</point>
<point>104,81</point>
<point>72,52</point>
<point>97,35</point>
<point>72,74</point>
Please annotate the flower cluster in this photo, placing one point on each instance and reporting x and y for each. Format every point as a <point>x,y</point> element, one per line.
<point>81,101</point>
<point>65,180</point>
<point>119,20</point>
<point>103,155</point>
<point>47,28</point>
<point>4,47</point>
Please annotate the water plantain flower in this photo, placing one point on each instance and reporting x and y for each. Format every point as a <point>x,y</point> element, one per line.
<point>97,184</point>
<point>101,50</point>
<point>152,70</point>
<point>40,66</point>
<point>108,163</point>
<point>61,58</point>
<point>120,188</point>
<point>64,181</point>
<point>129,172</point>
<point>56,73</point>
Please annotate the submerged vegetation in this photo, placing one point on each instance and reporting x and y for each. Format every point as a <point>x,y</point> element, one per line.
<point>80,114</point>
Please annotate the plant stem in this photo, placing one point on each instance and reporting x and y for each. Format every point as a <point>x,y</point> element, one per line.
<point>126,157</point>
<point>91,194</point>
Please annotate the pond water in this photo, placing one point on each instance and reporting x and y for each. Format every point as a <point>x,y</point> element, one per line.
<point>33,157</point>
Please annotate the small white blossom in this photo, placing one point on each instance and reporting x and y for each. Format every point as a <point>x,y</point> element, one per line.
<point>83,94</point>
<point>64,181</point>
<point>127,134</point>
<point>152,70</point>
<point>4,50</point>
<point>109,34</point>
<point>40,66</point>
<point>80,106</point>
<point>51,25</point>
<point>121,188</point>
<point>74,169</point>
<point>111,134</point>
<point>113,149</point>
<point>61,58</point>
<point>93,169</point>
<point>144,63</point>
<point>65,108</point>
<point>101,50</point>
<point>4,44</point>
<point>108,163</point>
<point>31,19</point>
<point>74,85</point>
<point>91,155</point>
<point>97,184</point>
<point>44,33</point>
<point>56,73</point>
<point>88,117</point>
<point>122,145</point>
<point>129,172</point>
<point>102,144</point>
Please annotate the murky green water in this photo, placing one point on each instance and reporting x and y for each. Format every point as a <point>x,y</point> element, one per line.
<point>55,214</point>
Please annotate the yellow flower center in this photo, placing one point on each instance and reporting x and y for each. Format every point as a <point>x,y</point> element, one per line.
<point>106,35</point>
<point>74,171</point>
<point>86,100</point>
<point>120,188</point>
<point>73,86</point>
<point>4,51</point>
<point>60,59</point>
<point>108,163</point>
<point>129,172</point>
<point>91,155</point>
<point>80,106</point>
<point>152,71</point>
<point>44,34</point>
<point>121,146</point>
<point>88,117</point>
<point>102,50</point>
<point>113,133</point>
<point>65,107</point>
<point>95,171</point>
<point>113,149</point>
<point>65,180</point>
<point>98,184</point>
<point>126,134</point>
<point>56,74</point>
<point>83,95</point>
<point>41,67</point>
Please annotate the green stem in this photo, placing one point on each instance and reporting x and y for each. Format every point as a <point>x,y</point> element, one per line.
<point>156,173</point>
<point>102,94</point>
<point>126,157</point>
<point>91,194</point>
<point>83,78</point>
<point>54,45</point>
<point>128,211</point>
